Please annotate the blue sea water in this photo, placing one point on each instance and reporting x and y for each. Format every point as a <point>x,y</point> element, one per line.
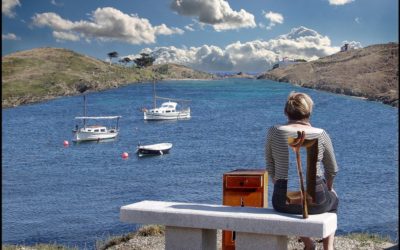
<point>72,195</point>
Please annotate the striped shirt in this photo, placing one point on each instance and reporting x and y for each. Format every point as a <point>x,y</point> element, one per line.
<point>277,151</point>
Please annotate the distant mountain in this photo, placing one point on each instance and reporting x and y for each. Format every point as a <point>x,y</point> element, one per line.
<point>47,73</point>
<point>371,72</point>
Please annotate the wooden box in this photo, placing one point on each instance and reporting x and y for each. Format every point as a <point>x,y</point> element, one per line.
<point>243,187</point>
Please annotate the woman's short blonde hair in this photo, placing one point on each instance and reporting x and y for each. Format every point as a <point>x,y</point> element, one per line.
<point>298,106</point>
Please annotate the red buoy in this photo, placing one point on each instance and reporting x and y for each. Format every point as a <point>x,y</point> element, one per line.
<point>125,155</point>
<point>66,143</point>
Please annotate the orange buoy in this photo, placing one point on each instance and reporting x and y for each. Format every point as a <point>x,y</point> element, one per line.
<point>125,155</point>
<point>66,143</point>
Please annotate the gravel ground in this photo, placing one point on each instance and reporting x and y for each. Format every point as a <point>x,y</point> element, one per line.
<point>341,243</point>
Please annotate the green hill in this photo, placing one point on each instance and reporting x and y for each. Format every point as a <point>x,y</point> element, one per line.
<point>371,72</point>
<point>47,73</point>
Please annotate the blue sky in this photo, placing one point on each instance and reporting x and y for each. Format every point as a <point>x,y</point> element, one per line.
<point>212,35</point>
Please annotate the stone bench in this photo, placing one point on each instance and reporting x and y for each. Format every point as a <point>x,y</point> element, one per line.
<point>194,226</point>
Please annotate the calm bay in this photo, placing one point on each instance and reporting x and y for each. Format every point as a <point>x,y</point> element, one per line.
<point>72,195</point>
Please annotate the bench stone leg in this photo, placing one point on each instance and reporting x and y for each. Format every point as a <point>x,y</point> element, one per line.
<point>253,241</point>
<point>177,238</point>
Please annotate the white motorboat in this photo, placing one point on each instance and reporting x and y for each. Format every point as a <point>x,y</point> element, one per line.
<point>154,149</point>
<point>169,110</point>
<point>94,132</point>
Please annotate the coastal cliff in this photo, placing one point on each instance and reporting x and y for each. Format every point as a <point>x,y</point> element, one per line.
<point>46,73</point>
<point>371,72</point>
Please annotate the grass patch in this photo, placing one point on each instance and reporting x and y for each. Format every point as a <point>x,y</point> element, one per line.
<point>113,241</point>
<point>144,231</point>
<point>151,230</point>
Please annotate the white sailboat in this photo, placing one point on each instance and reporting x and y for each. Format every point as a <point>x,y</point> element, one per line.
<point>95,132</point>
<point>169,110</point>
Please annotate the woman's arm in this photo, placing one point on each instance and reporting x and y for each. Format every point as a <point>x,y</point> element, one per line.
<point>329,161</point>
<point>268,155</point>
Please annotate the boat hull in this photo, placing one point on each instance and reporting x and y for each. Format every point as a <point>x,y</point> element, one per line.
<point>154,149</point>
<point>182,115</point>
<point>142,152</point>
<point>92,136</point>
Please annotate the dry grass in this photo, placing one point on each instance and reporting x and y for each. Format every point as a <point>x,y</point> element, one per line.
<point>144,231</point>
<point>371,72</point>
<point>47,73</point>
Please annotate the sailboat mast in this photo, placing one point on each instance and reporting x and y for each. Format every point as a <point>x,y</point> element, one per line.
<point>154,94</point>
<point>84,110</point>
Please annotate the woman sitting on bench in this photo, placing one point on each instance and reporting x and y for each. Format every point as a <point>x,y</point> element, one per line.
<point>298,109</point>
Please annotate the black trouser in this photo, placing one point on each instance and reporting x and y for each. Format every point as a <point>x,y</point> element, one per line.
<point>325,200</point>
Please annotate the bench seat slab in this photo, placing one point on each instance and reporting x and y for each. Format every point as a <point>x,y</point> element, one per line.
<point>240,219</point>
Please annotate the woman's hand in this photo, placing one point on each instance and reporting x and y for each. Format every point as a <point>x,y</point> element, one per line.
<point>329,183</point>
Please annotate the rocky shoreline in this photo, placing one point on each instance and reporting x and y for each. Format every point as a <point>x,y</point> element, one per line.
<point>142,240</point>
<point>370,73</point>
<point>152,237</point>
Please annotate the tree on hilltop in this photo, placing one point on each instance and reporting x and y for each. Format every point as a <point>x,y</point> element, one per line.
<point>144,61</point>
<point>112,55</point>
<point>125,60</point>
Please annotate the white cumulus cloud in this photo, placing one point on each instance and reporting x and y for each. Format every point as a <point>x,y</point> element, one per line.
<point>353,44</point>
<point>65,36</point>
<point>251,56</point>
<point>7,7</point>
<point>339,2</point>
<point>9,36</point>
<point>216,13</point>
<point>273,18</point>
<point>105,24</point>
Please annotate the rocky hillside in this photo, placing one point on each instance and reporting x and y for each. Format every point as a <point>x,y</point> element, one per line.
<point>175,71</point>
<point>371,72</point>
<point>46,73</point>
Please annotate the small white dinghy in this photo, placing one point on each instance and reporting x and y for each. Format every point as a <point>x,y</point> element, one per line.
<point>154,149</point>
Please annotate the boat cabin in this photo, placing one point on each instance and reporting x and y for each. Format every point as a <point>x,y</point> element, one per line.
<point>167,111</point>
<point>90,132</point>
<point>97,129</point>
<point>166,107</point>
